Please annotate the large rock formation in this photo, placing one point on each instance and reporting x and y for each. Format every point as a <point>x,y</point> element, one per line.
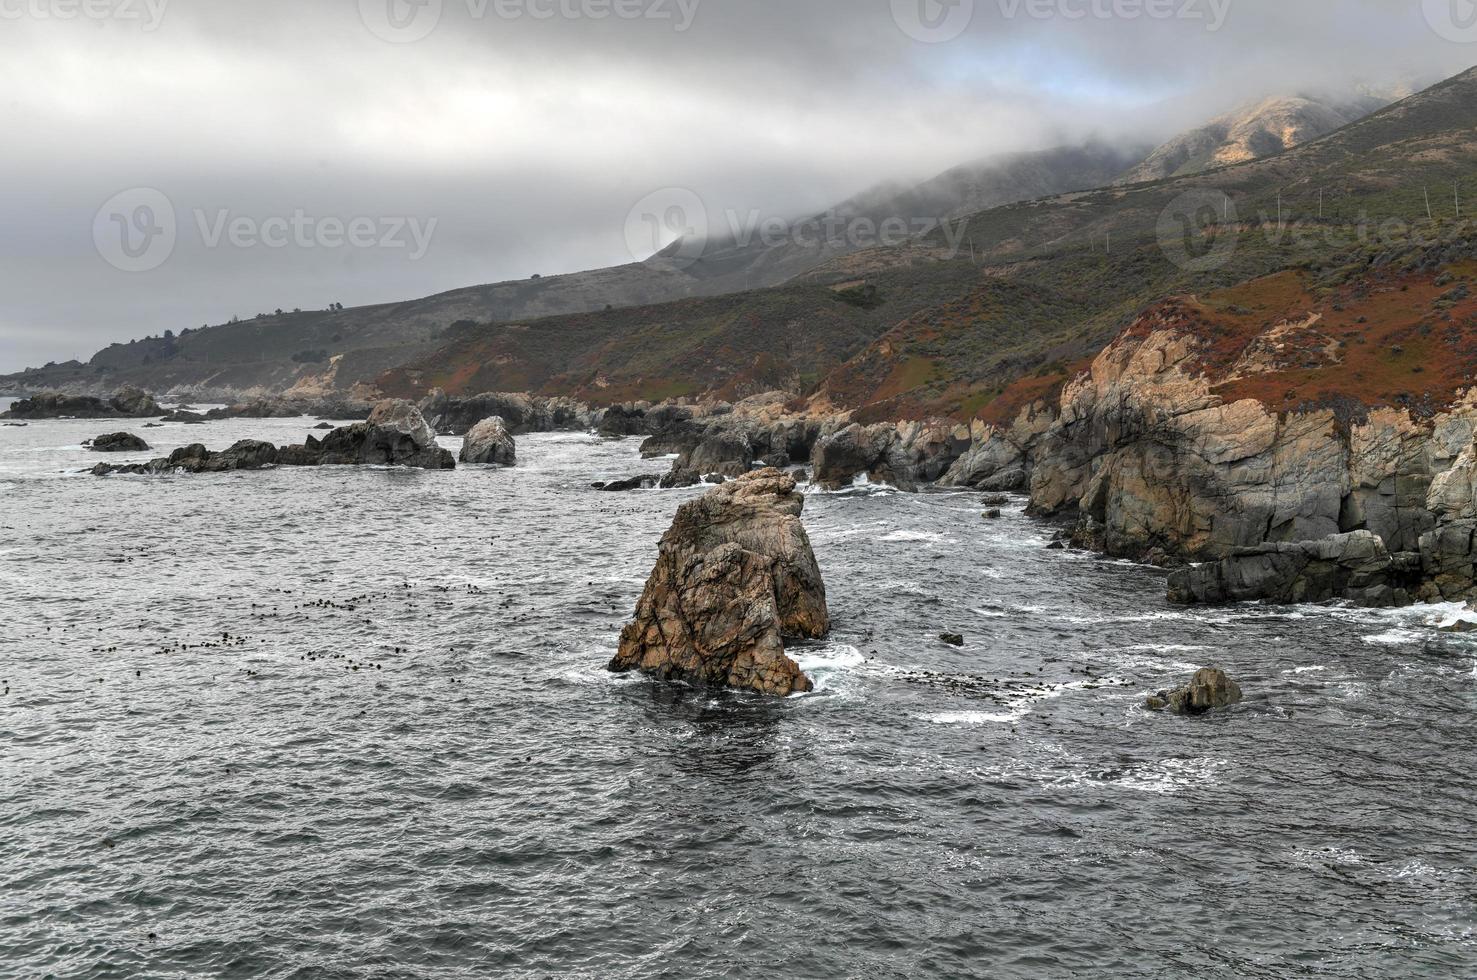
<point>522,413</point>
<point>127,402</point>
<point>489,442</point>
<point>735,575</point>
<point>1354,567</point>
<point>904,455</point>
<point>723,453</point>
<point>400,437</point>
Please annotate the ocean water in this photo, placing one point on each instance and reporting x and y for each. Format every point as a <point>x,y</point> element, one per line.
<point>355,723</point>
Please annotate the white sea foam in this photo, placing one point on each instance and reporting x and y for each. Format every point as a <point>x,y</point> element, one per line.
<point>908,536</point>
<point>828,664</point>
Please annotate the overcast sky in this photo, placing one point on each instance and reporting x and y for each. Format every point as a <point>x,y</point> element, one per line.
<point>359,151</point>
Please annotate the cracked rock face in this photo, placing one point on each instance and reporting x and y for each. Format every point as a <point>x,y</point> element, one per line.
<point>735,576</point>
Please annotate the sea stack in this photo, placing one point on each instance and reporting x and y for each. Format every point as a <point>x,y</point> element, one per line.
<point>735,576</point>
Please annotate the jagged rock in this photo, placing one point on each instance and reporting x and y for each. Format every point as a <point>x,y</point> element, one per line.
<point>842,456</point>
<point>798,475</point>
<point>734,577</point>
<point>522,413</point>
<point>188,418</point>
<point>1354,567</point>
<point>360,443</point>
<point>399,415</point>
<point>995,499</point>
<point>323,425</point>
<point>247,454</point>
<point>118,442</point>
<point>722,453</point>
<point>1209,689</point>
<point>952,639</point>
<point>126,402</point>
<point>489,442</point>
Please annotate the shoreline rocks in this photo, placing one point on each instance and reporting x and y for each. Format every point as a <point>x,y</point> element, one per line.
<point>126,402</point>
<point>400,438</point>
<point>734,577</point>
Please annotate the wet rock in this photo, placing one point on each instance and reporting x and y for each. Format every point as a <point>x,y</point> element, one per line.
<point>723,453</point>
<point>798,475</point>
<point>489,442</point>
<point>646,482</point>
<point>456,415</point>
<point>247,454</point>
<point>323,425</point>
<point>995,500</point>
<point>118,442</point>
<point>993,514</point>
<point>735,576</point>
<point>952,639</point>
<point>1354,567</point>
<point>1209,689</point>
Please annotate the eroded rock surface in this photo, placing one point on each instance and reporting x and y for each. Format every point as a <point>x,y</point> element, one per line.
<point>735,575</point>
<point>1209,689</point>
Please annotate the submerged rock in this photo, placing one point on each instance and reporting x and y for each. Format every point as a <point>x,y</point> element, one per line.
<point>1209,689</point>
<point>489,442</point>
<point>735,575</point>
<point>119,442</point>
<point>952,639</point>
<point>646,482</point>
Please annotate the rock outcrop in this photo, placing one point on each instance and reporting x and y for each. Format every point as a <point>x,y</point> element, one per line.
<point>1354,567</point>
<point>118,442</point>
<point>723,453</point>
<point>127,402</point>
<point>735,575</point>
<point>522,413</point>
<point>489,442</point>
<point>1209,689</point>
<point>403,439</point>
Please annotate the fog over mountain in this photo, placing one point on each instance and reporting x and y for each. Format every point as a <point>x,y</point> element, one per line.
<point>505,143</point>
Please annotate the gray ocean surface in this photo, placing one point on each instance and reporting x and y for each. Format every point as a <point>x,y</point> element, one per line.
<point>350,722</point>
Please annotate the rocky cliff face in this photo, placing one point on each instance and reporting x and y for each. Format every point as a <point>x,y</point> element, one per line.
<point>735,576</point>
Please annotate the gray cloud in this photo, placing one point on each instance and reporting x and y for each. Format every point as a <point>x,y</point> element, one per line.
<point>526,140</point>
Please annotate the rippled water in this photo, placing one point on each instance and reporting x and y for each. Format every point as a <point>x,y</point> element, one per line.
<point>198,780</point>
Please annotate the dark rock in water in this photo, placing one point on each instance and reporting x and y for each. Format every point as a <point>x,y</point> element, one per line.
<point>398,437</point>
<point>735,575</point>
<point>798,475</point>
<point>324,425</point>
<point>723,453</point>
<point>995,500</point>
<point>1461,626</point>
<point>152,425</point>
<point>952,639</point>
<point>118,442</point>
<point>1057,546</point>
<point>632,483</point>
<point>187,417</point>
<point>16,425</point>
<point>776,461</point>
<point>993,514</point>
<point>489,442</point>
<point>126,402</point>
<point>455,415</point>
<point>1209,689</point>
<point>1355,567</point>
